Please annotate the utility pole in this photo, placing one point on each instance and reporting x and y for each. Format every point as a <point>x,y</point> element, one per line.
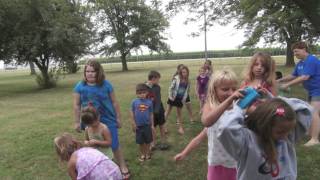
<point>205,30</point>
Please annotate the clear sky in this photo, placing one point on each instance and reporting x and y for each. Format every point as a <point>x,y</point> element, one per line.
<point>218,37</point>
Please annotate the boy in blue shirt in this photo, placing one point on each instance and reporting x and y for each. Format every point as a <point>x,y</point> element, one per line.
<point>142,121</point>
<point>307,71</point>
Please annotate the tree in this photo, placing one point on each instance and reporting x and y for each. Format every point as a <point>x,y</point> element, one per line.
<point>274,21</point>
<point>128,25</point>
<point>32,69</point>
<point>311,9</point>
<point>44,32</point>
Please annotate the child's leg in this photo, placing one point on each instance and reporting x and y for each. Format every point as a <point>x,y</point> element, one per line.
<point>168,111</point>
<point>154,139</point>
<point>166,114</point>
<point>147,151</point>
<point>163,145</point>
<point>142,152</point>
<point>118,156</point>
<point>163,137</point>
<point>315,125</point>
<point>117,153</point>
<point>179,117</point>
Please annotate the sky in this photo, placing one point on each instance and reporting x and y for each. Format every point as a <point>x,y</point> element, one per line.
<point>218,37</point>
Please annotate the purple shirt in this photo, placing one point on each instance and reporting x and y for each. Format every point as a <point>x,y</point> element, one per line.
<point>202,82</point>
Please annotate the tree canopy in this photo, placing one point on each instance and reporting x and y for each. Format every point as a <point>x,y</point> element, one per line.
<point>126,25</point>
<point>43,32</point>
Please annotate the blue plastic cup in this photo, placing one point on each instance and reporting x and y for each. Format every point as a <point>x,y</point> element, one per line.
<point>251,95</point>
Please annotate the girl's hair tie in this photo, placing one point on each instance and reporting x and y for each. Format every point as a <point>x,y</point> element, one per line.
<point>280,111</point>
<point>91,106</point>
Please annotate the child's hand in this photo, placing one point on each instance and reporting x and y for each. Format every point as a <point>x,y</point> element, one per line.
<point>93,142</point>
<point>237,94</point>
<point>262,90</point>
<point>118,123</point>
<point>179,157</point>
<point>86,143</point>
<point>284,87</point>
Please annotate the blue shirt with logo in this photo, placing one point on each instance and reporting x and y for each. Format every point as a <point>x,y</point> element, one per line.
<point>310,67</point>
<point>100,97</point>
<point>141,109</point>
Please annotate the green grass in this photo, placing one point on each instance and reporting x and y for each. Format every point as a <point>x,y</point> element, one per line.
<point>30,118</point>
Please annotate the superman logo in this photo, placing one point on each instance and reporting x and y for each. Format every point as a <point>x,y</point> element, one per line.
<point>142,107</point>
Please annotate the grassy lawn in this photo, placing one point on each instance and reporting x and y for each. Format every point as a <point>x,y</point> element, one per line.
<point>30,118</point>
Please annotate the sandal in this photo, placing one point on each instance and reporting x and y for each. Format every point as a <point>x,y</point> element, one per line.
<point>148,157</point>
<point>126,175</point>
<point>142,158</point>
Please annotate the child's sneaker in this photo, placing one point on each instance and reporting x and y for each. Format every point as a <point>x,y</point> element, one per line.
<point>163,146</point>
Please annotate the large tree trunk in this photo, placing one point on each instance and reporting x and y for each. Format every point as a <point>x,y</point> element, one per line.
<point>289,57</point>
<point>124,62</point>
<point>32,69</point>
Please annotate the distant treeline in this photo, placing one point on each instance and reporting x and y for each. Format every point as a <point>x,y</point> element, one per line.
<point>197,55</point>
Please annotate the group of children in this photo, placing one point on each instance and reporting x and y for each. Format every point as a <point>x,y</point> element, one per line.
<point>256,142</point>
<point>252,143</point>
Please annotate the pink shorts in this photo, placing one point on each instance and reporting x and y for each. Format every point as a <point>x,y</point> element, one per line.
<point>221,172</point>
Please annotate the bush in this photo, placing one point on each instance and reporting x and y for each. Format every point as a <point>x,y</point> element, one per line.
<point>50,80</point>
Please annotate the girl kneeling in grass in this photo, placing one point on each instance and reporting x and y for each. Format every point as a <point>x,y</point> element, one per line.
<point>85,162</point>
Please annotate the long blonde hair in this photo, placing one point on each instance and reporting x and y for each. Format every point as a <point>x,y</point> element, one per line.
<point>268,64</point>
<point>65,145</point>
<point>217,78</point>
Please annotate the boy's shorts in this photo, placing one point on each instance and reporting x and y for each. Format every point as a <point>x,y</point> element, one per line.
<point>144,134</point>
<point>158,117</point>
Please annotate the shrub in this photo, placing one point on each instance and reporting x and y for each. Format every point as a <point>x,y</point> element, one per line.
<point>50,80</point>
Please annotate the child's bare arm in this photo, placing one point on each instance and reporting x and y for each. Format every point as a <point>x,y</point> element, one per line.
<point>212,114</point>
<point>107,138</point>
<point>193,144</point>
<point>72,167</point>
<point>133,122</point>
<point>86,135</point>
<point>76,111</point>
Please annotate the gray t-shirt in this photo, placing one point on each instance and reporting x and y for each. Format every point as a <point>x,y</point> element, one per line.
<point>242,144</point>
